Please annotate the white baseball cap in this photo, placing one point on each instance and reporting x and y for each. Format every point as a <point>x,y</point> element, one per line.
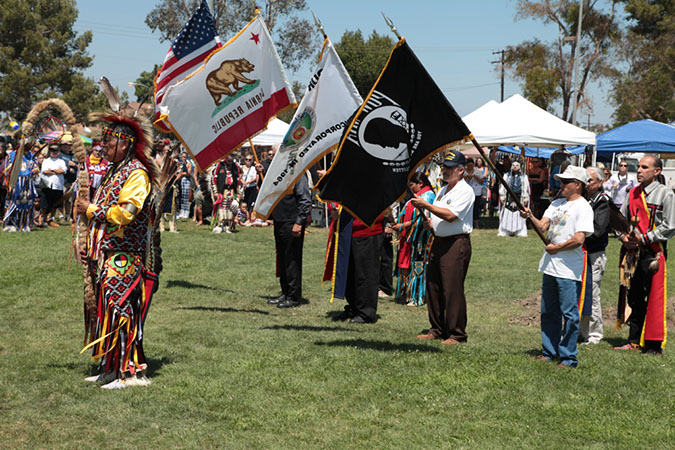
<point>573,173</point>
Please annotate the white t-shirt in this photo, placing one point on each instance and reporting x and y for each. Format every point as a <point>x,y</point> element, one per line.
<point>54,181</point>
<point>459,200</point>
<point>617,185</point>
<point>248,176</point>
<point>475,185</point>
<point>567,218</point>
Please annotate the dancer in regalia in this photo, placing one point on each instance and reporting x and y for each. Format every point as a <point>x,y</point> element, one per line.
<point>413,245</point>
<point>21,200</point>
<point>650,206</point>
<point>510,221</point>
<point>120,217</point>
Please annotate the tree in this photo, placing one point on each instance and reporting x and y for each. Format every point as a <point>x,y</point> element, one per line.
<point>143,86</point>
<point>364,60</point>
<point>295,37</point>
<point>646,89</point>
<point>299,92</point>
<point>42,57</point>
<point>546,68</point>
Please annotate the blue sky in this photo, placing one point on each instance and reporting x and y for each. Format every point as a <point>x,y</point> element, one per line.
<point>454,39</point>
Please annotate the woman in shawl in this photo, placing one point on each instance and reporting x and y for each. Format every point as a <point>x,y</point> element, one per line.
<point>413,245</point>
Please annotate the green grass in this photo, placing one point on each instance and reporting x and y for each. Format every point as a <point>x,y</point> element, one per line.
<point>230,371</point>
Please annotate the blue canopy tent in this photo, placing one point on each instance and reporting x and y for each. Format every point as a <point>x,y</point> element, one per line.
<point>534,152</point>
<point>646,136</point>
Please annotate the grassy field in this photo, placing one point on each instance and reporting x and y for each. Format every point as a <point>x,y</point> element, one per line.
<point>231,371</point>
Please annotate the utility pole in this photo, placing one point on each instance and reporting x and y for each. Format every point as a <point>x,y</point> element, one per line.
<point>501,61</point>
<point>576,56</point>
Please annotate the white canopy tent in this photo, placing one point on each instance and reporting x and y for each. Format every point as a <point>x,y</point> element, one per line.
<point>516,121</point>
<point>273,135</point>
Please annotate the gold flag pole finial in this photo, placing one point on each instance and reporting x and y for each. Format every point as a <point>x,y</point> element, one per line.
<point>391,25</point>
<point>256,11</point>
<point>319,25</point>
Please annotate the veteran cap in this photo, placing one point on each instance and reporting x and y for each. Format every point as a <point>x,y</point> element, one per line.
<point>453,159</point>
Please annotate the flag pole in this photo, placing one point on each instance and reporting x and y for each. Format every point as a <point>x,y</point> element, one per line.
<point>488,161</point>
<point>325,204</point>
<point>255,155</point>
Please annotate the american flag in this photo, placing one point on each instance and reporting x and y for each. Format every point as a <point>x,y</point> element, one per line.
<point>189,49</point>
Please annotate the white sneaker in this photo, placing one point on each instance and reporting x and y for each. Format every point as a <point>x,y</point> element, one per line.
<point>105,377</point>
<point>217,230</point>
<point>115,385</point>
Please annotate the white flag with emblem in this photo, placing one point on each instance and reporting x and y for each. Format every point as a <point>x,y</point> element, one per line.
<point>231,98</point>
<point>315,130</point>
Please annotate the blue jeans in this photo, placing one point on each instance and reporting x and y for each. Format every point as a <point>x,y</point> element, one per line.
<point>559,303</point>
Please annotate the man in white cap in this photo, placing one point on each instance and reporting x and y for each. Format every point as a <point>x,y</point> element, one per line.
<point>569,221</point>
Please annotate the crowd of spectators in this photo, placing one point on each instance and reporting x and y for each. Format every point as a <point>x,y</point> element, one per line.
<point>53,172</point>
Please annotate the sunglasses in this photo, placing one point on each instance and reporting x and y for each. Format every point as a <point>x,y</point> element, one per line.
<point>623,165</point>
<point>108,134</point>
<point>569,181</point>
<point>249,159</point>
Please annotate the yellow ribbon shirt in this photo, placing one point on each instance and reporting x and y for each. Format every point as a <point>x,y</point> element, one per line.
<point>134,192</point>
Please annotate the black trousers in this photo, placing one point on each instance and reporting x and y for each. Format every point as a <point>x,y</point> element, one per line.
<point>386,264</point>
<point>637,298</point>
<point>250,196</point>
<point>448,263</point>
<point>53,196</point>
<point>289,258</point>
<point>363,277</point>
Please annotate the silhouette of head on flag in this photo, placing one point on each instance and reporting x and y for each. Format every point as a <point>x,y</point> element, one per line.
<point>386,134</point>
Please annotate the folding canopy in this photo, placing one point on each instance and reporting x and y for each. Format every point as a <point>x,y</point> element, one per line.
<point>535,152</point>
<point>647,136</point>
<point>516,121</point>
<point>274,134</point>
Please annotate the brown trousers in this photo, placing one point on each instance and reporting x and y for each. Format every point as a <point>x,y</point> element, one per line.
<point>448,263</point>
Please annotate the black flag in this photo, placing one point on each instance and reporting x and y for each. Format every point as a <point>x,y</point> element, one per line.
<point>404,120</point>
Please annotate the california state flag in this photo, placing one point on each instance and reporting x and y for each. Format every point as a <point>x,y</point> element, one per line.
<point>330,99</point>
<point>232,97</point>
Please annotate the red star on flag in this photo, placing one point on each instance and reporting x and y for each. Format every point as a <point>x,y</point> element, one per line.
<point>255,38</point>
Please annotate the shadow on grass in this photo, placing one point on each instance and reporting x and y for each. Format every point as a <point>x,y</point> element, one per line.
<point>337,316</point>
<point>304,301</point>
<point>216,309</point>
<point>155,364</point>
<point>616,341</point>
<point>187,285</point>
<point>307,328</point>
<point>533,352</point>
<point>66,366</point>
<point>383,346</point>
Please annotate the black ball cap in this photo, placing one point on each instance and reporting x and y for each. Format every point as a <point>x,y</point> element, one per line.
<point>453,159</point>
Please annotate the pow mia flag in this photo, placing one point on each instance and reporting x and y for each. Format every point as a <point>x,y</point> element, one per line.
<point>404,120</point>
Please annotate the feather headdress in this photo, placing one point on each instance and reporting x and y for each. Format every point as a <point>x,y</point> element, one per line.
<point>141,141</point>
